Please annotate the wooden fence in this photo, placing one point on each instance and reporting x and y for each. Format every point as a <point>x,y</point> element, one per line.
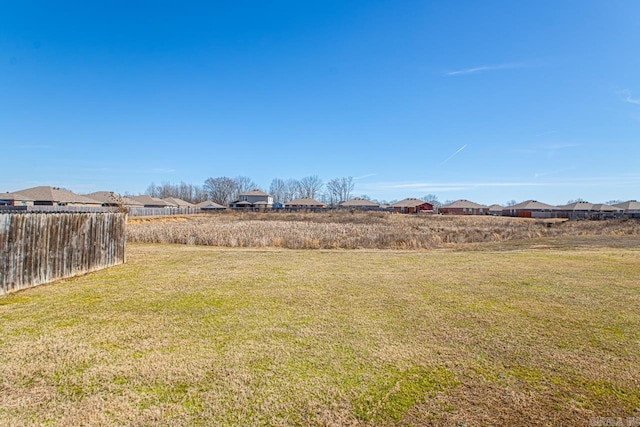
<point>37,248</point>
<point>163,211</point>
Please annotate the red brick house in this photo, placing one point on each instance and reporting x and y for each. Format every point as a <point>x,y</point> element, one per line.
<point>412,205</point>
<point>305,203</point>
<point>463,207</point>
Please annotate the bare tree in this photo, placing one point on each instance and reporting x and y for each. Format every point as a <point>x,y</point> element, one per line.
<point>292,190</point>
<point>339,189</point>
<point>199,194</point>
<point>433,199</point>
<point>221,190</point>
<point>511,203</point>
<point>348,186</point>
<point>152,190</point>
<point>189,192</point>
<point>278,189</point>
<point>310,186</point>
<point>242,185</point>
<point>333,191</point>
<point>165,190</point>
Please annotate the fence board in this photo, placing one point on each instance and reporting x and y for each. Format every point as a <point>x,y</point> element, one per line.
<point>37,248</point>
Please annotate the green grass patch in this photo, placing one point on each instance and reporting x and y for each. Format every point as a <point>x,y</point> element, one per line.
<point>198,336</point>
<point>396,391</point>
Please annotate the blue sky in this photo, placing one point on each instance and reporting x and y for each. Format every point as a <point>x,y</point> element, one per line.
<point>489,101</point>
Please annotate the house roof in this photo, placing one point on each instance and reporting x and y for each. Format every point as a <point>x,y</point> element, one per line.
<point>359,202</point>
<point>132,203</point>
<point>241,203</point>
<point>170,203</point>
<point>600,207</point>
<point>15,196</point>
<point>208,204</point>
<point>105,196</point>
<point>462,203</point>
<point>254,193</point>
<point>410,202</point>
<point>58,195</point>
<point>629,205</point>
<point>150,201</point>
<point>531,205</point>
<point>496,208</point>
<point>577,206</point>
<point>178,202</point>
<point>305,201</point>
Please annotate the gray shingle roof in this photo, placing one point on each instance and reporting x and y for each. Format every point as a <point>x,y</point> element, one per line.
<point>462,203</point>
<point>105,196</point>
<point>600,207</point>
<point>132,203</point>
<point>57,195</point>
<point>150,201</point>
<point>410,202</point>
<point>359,202</point>
<point>15,196</point>
<point>305,201</point>
<point>253,193</point>
<point>178,202</point>
<point>208,204</point>
<point>531,205</point>
<point>630,205</point>
<point>577,206</point>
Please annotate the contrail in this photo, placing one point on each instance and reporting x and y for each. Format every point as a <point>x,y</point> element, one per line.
<point>365,176</point>
<point>454,154</point>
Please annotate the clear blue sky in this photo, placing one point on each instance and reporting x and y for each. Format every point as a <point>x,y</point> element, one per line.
<point>485,100</point>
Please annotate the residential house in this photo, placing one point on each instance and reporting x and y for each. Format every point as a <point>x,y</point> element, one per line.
<point>463,207</point>
<point>54,196</point>
<point>631,208</point>
<point>111,199</point>
<point>208,205</point>
<point>253,199</point>
<point>530,209</point>
<point>15,199</point>
<point>412,205</point>
<point>495,210</point>
<point>151,202</point>
<point>601,210</point>
<point>575,210</point>
<point>107,198</point>
<point>305,203</point>
<point>359,203</point>
<point>179,203</point>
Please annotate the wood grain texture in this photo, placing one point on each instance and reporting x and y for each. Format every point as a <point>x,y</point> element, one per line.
<point>37,248</point>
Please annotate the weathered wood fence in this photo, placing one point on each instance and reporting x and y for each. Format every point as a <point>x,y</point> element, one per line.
<point>163,211</point>
<point>37,248</point>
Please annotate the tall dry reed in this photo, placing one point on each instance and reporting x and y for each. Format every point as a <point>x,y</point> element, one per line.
<point>359,230</point>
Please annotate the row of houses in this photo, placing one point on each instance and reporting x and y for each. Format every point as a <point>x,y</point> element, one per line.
<point>576,210</point>
<point>254,199</point>
<point>536,209</point>
<point>46,196</point>
<point>259,200</point>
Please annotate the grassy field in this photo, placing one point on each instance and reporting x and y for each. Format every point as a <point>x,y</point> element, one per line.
<point>545,332</point>
<point>360,230</point>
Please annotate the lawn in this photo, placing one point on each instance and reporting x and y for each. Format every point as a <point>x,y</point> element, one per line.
<point>186,335</point>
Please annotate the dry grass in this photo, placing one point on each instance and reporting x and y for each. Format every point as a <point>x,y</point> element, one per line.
<point>184,335</point>
<point>360,230</point>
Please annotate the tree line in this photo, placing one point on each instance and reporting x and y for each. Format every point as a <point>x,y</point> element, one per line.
<point>225,190</point>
